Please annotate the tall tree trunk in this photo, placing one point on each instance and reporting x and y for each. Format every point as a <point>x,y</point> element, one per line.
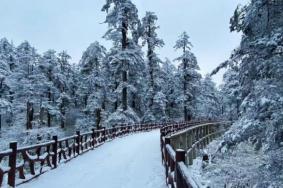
<point>63,113</point>
<point>29,115</point>
<point>116,102</point>
<point>85,100</point>
<point>0,122</point>
<point>98,118</point>
<point>151,66</point>
<point>124,72</point>
<point>186,115</point>
<point>124,92</point>
<point>48,113</point>
<point>134,101</point>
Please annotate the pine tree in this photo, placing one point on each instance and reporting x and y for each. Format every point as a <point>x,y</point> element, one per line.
<point>49,68</point>
<point>8,61</point>
<point>208,99</point>
<point>170,89</point>
<point>125,57</point>
<point>188,76</point>
<point>155,98</point>
<point>93,81</point>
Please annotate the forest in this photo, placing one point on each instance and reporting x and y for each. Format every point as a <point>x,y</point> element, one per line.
<point>129,83</point>
<point>44,93</point>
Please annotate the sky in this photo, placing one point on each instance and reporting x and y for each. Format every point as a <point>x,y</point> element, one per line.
<point>72,25</point>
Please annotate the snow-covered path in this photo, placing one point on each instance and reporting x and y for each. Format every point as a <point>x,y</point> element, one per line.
<point>130,162</point>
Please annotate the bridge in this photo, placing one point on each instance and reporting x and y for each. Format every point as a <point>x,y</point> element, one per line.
<point>148,155</point>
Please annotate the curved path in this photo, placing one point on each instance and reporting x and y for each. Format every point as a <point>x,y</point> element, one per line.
<point>129,162</point>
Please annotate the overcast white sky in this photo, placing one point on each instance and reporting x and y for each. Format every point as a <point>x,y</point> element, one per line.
<point>73,24</point>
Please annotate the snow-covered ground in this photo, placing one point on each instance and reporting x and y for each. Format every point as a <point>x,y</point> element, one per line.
<point>130,162</point>
<point>241,166</point>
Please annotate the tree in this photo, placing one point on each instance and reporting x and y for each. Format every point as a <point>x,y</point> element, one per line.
<point>8,61</point>
<point>154,93</point>
<point>63,81</point>
<point>125,57</point>
<point>188,75</point>
<point>170,89</point>
<point>23,83</point>
<point>231,94</point>
<point>49,68</point>
<point>209,105</point>
<point>93,80</point>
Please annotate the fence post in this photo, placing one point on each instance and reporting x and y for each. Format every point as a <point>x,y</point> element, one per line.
<point>193,142</point>
<point>12,165</point>
<point>167,157</point>
<point>180,157</point>
<point>78,142</point>
<point>55,151</point>
<point>190,140</point>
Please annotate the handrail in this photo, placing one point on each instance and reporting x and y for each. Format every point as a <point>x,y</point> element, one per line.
<point>179,145</point>
<point>25,163</point>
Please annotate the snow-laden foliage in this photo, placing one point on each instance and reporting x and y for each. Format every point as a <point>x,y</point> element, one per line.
<point>125,57</point>
<point>41,94</point>
<point>155,99</point>
<point>253,90</point>
<point>209,104</point>
<point>188,76</point>
<point>92,86</point>
<point>257,87</point>
<point>230,94</point>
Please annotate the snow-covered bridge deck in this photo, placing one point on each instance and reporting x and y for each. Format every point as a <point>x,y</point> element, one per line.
<point>132,161</point>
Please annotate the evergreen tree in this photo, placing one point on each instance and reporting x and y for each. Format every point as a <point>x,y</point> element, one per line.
<point>188,76</point>
<point>170,89</point>
<point>49,68</point>
<point>155,97</point>
<point>208,99</point>
<point>125,57</point>
<point>92,87</point>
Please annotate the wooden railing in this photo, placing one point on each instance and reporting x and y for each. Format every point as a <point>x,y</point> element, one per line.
<point>179,143</point>
<point>19,165</point>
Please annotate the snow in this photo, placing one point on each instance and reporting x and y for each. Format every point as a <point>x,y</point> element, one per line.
<point>241,166</point>
<point>133,161</point>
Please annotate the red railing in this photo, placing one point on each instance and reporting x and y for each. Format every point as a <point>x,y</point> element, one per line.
<point>19,165</point>
<point>179,143</point>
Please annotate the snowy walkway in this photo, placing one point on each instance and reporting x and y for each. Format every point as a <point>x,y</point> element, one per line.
<point>130,162</point>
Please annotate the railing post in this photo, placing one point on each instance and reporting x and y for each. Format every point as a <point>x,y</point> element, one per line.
<point>161,144</point>
<point>55,151</point>
<point>180,157</point>
<point>78,142</point>
<point>167,157</point>
<point>190,154</point>
<point>12,165</point>
<point>193,142</point>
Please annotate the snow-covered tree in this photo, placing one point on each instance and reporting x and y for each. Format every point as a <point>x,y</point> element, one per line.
<point>49,68</point>
<point>259,60</point>
<point>231,95</point>
<point>93,84</point>
<point>259,72</point>
<point>154,96</point>
<point>64,82</point>
<point>188,76</point>
<point>8,61</point>
<point>23,84</point>
<point>125,56</point>
<point>170,89</point>
<point>208,100</point>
